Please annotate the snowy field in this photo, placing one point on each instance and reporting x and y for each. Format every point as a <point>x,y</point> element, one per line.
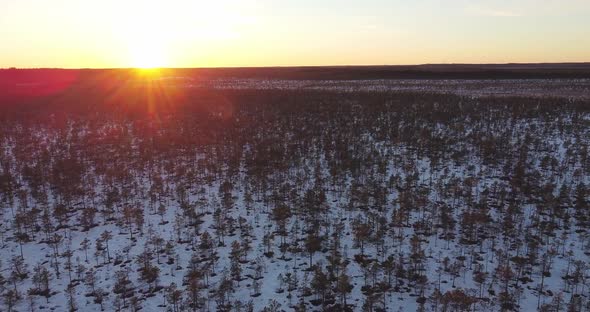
<point>416,207</point>
<point>567,88</point>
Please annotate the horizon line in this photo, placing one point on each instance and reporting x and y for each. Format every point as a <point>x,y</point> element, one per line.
<point>297,66</point>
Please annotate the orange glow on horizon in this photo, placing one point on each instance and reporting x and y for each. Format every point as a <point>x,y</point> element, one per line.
<point>244,33</point>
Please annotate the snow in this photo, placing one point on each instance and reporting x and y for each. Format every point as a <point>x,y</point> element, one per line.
<point>206,197</point>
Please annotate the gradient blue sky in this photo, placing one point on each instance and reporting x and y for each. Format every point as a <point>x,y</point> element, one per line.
<point>184,33</point>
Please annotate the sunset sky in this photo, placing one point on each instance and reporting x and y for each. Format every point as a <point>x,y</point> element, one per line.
<point>193,33</point>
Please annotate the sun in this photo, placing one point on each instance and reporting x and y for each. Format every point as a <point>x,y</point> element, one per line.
<point>148,55</point>
<point>147,40</point>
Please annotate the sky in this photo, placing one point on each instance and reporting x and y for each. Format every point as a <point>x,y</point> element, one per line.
<point>228,33</point>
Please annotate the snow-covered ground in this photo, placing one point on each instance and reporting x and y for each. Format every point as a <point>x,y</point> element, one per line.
<point>567,88</point>
<point>201,190</point>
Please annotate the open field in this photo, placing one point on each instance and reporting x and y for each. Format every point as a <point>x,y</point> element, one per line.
<point>271,190</point>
